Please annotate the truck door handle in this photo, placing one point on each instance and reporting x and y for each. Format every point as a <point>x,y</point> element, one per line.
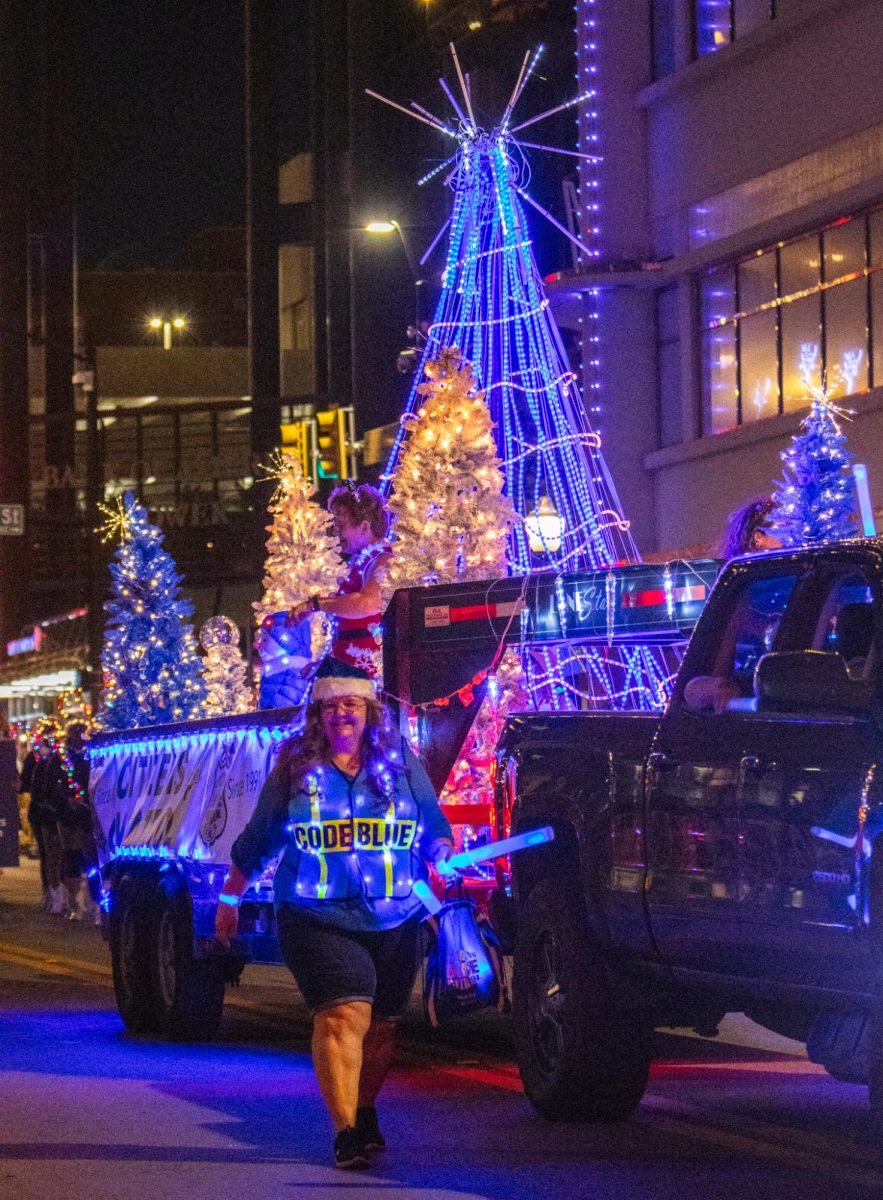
<point>658,760</point>
<point>752,764</point>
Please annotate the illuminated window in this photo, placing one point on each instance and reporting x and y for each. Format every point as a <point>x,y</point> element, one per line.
<point>716,23</point>
<point>664,53</point>
<point>784,319</point>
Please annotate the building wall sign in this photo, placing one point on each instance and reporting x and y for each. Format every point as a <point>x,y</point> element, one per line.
<point>26,645</point>
<point>12,520</point>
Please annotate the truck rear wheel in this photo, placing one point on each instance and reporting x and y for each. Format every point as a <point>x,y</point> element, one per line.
<point>128,935</point>
<point>583,1052</point>
<point>187,993</point>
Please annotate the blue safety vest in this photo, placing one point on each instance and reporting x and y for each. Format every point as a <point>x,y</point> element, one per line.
<point>347,841</point>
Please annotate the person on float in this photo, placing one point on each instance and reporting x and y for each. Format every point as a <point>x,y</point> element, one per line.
<point>747,529</point>
<point>746,532</point>
<point>356,820</point>
<point>361,522</point>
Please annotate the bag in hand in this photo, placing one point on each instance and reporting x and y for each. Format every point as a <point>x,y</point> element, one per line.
<point>464,970</point>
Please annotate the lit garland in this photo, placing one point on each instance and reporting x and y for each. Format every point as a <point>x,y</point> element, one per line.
<point>78,791</point>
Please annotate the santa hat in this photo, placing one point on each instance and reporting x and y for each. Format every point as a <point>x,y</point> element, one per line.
<point>336,679</point>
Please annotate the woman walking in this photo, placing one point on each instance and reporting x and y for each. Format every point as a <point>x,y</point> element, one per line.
<point>356,820</point>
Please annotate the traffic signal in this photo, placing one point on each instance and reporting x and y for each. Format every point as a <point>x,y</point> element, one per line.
<point>299,440</point>
<point>333,460</point>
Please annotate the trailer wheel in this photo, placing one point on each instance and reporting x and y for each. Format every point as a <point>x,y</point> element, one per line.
<point>583,1051</point>
<point>187,993</point>
<point>129,954</point>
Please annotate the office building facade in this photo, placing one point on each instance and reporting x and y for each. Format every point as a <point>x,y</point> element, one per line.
<point>735,245</point>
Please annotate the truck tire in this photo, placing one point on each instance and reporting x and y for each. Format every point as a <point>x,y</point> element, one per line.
<point>187,993</point>
<point>583,1051</point>
<point>128,932</point>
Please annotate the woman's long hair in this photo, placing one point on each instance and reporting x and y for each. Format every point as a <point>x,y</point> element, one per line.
<point>307,749</point>
<point>743,525</point>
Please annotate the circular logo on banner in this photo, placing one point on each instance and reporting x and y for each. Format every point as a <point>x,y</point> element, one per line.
<point>215,820</point>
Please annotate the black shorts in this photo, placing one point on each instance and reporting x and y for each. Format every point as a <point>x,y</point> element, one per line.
<point>334,966</point>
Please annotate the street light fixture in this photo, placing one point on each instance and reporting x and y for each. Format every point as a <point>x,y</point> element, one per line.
<point>167,324</point>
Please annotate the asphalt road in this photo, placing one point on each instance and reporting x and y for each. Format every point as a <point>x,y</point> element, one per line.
<point>87,1111</point>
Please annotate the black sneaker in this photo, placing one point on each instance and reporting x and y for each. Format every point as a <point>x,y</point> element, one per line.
<point>366,1125</point>
<point>350,1151</point>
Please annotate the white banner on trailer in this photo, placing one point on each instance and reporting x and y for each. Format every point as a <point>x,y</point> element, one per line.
<point>190,795</point>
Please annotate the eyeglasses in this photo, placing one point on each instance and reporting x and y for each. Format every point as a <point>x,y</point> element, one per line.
<point>350,706</point>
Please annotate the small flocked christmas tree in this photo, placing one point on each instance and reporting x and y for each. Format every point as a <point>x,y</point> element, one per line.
<point>815,500</point>
<point>224,669</point>
<point>452,520</point>
<point>149,661</point>
<point>303,554</point>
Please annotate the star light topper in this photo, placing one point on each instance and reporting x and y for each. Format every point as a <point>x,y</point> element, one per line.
<point>475,140</point>
<point>276,470</point>
<point>117,520</point>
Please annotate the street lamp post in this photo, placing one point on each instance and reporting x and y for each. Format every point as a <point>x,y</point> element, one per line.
<point>389,226</point>
<point>167,324</point>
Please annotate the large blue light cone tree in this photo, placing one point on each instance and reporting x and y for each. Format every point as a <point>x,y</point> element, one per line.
<point>494,311</point>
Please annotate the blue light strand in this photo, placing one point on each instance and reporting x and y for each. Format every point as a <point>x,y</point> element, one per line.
<point>493,308</point>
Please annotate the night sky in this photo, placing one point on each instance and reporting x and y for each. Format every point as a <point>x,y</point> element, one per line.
<point>160,130</point>
<point>160,126</point>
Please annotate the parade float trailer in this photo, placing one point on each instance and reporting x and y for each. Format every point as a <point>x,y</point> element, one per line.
<point>170,800</point>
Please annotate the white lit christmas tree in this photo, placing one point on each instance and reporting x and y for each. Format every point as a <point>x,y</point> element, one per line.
<point>303,553</point>
<point>149,661</point>
<point>452,519</point>
<point>224,669</point>
<point>815,500</point>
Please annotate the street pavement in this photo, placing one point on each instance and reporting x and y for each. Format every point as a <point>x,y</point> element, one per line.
<point>88,1111</point>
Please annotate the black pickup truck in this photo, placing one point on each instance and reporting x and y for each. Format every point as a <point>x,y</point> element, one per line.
<point>724,856</point>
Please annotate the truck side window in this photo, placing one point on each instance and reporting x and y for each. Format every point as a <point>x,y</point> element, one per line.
<point>750,632</point>
<point>845,622</point>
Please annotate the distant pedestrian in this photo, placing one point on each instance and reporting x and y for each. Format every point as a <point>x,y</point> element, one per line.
<point>29,826</point>
<point>747,531</point>
<point>43,816</point>
<point>69,773</point>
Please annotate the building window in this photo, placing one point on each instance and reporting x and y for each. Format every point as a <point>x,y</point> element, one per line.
<point>787,318</point>
<point>716,23</point>
<point>664,53</point>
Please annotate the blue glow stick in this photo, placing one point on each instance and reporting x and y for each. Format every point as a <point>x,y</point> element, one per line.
<point>424,893</point>
<point>860,473</point>
<point>521,841</point>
